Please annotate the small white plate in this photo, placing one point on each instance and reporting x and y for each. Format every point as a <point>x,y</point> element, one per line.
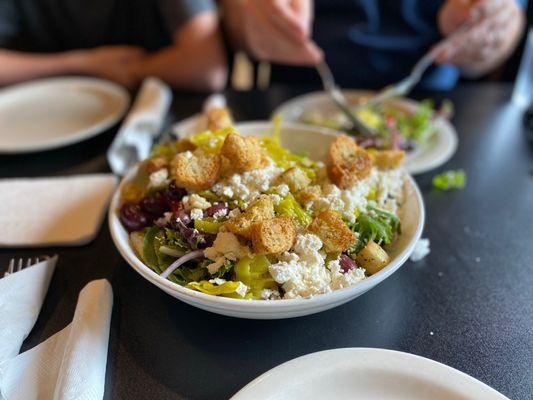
<point>440,147</point>
<point>364,373</point>
<point>50,113</point>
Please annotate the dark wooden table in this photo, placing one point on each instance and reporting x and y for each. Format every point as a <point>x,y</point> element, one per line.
<point>469,304</point>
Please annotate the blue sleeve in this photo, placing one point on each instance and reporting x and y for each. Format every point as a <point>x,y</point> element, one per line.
<point>177,12</point>
<point>9,22</point>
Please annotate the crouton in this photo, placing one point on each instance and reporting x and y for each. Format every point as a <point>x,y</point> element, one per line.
<point>334,233</point>
<point>387,159</point>
<point>273,236</point>
<point>155,164</point>
<point>244,153</point>
<point>308,194</point>
<point>347,162</point>
<point>185,144</point>
<point>196,171</point>
<point>372,257</point>
<point>296,179</point>
<point>218,118</point>
<point>261,209</point>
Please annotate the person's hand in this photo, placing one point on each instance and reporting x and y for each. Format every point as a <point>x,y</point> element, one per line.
<point>280,31</point>
<point>116,63</point>
<point>493,28</point>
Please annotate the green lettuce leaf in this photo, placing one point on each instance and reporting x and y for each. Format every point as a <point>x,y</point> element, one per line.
<point>450,180</point>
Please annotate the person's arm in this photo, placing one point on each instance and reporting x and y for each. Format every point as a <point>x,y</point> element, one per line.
<point>494,29</point>
<point>108,62</point>
<point>16,66</point>
<point>272,30</point>
<point>196,60</point>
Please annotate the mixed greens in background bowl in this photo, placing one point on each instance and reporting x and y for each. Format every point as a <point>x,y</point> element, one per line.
<point>426,134</point>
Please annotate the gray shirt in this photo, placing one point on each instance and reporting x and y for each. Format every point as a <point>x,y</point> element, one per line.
<point>60,25</point>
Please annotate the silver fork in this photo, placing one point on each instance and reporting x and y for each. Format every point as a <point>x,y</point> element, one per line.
<point>20,264</point>
<point>404,86</point>
<point>338,98</point>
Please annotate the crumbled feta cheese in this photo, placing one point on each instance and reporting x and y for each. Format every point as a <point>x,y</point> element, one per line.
<point>195,201</point>
<point>308,249</point>
<point>249,184</point>
<point>220,213</point>
<point>387,187</point>
<point>188,155</point>
<point>421,250</point>
<point>225,247</point>
<point>302,274</point>
<point>158,178</point>
<point>217,281</point>
<point>270,294</point>
<point>276,198</point>
<point>340,279</point>
<point>242,289</point>
<point>283,189</point>
<point>196,213</point>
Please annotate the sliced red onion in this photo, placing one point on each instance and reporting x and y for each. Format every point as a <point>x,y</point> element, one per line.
<point>220,208</point>
<point>180,261</point>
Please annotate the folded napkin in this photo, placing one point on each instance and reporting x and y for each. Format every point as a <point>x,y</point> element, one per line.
<point>21,298</point>
<point>53,211</point>
<point>145,121</point>
<point>72,363</point>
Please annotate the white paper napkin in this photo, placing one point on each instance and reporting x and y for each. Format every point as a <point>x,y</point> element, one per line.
<point>21,298</point>
<point>71,364</point>
<point>53,211</point>
<point>145,120</point>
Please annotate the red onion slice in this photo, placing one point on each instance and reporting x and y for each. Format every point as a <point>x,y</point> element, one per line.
<point>180,261</point>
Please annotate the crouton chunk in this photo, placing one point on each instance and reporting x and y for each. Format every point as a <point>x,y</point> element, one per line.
<point>372,257</point>
<point>244,153</point>
<point>261,209</point>
<point>296,179</point>
<point>334,233</point>
<point>155,164</point>
<point>185,144</point>
<point>347,162</point>
<point>218,118</point>
<point>387,159</point>
<point>308,194</point>
<point>273,236</point>
<point>196,171</point>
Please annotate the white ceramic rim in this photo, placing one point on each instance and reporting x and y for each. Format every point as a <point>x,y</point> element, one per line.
<point>421,366</point>
<point>114,89</point>
<point>445,131</point>
<point>126,250</point>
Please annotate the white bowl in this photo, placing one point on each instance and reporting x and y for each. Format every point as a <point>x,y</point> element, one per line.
<point>437,150</point>
<point>300,138</point>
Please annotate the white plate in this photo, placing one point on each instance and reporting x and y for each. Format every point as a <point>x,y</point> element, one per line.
<point>436,151</point>
<point>50,113</point>
<point>299,138</point>
<point>366,374</point>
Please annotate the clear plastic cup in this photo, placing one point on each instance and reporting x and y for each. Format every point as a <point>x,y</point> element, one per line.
<point>523,89</point>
